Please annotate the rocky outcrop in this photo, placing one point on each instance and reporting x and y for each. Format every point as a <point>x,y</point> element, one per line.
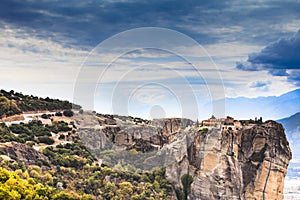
<point>89,129</point>
<point>170,126</point>
<point>112,139</point>
<point>24,153</point>
<point>265,155</point>
<point>250,163</point>
<point>115,132</point>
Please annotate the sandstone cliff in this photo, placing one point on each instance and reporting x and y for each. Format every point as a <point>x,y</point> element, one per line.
<point>250,163</point>
<point>108,132</point>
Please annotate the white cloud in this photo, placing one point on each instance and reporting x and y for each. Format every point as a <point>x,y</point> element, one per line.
<point>212,30</point>
<point>226,50</point>
<point>37,66</point>
<point>237,84</point>
<point>148,53</point>
<point>149,95</point>
<point>43,67</point>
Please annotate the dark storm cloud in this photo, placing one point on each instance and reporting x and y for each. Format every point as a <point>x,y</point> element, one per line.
<point>283,54</point>
<point>281,58</point>
<point>91,21</point>
<point>278,72</point>
<point>207,21</point>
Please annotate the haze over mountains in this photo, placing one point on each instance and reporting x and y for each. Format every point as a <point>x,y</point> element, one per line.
<point>291,123</point>
<point>272,107</point>
<point>292,129</point>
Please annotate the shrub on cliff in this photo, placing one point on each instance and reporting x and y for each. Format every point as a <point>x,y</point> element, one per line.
<point>68,113</point>
<point>46,140</point>
<point>186,181</point>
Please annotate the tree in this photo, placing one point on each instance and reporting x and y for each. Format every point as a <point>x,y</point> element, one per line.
<point>68,113</point>
<point>64,196</point>
<point>58,114</point>
<point>44,116</point>
<point>186,181</point>
<point>126,189</point>
<point>46,140</point>
<point>4,175</point>
<point>8,107</point>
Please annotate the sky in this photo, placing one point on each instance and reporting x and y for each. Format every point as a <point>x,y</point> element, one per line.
<point>150,58</point>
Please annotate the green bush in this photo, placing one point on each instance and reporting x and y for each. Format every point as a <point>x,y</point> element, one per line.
<point>186,181</point>
<point>45,116</point>
<point>205,130</point>
<point>19,128</point>
<point>60,126</point>
<point>62,137</point>
<point>58,114</point>
<point>8,107</point>
<point>4,175</point>
<point>46,140</point>
<point>68,113</point>
<point>64,196</point>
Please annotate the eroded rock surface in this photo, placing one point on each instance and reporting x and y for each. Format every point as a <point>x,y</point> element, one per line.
<point>125,133</point>
<point>24,153</point>
<point>250,163</point>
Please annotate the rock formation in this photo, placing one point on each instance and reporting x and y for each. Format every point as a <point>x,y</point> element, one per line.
<point>250,163</point>
<point>107,132</point>
<point>24,153</point>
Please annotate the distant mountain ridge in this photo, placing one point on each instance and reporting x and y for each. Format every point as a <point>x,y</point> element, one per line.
<point>272,107</point>
<point>292,129</point>
<point>291,123</point>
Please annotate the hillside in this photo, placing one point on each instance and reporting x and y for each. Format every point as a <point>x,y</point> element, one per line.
<point>271,107</point>
<point>85,155</point>
<point>45,149</point>
<point>292,123</point>
<point>12,103</point>
<point>68,166</point>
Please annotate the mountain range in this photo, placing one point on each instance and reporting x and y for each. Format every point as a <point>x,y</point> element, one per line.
<point>292,129</point>
<point>292,123</point>
<point>271,107</point>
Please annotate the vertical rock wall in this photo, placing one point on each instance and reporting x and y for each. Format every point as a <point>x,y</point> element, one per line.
<point>250,163</point>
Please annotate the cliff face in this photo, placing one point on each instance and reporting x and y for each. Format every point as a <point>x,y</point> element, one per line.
<point>250,163</point>
<point>245,162</point>
<point>106,132</point>
<point>24,153</point>
<point>269,152</point>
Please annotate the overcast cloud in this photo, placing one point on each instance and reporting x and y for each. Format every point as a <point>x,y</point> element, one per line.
<point>254,46</point>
